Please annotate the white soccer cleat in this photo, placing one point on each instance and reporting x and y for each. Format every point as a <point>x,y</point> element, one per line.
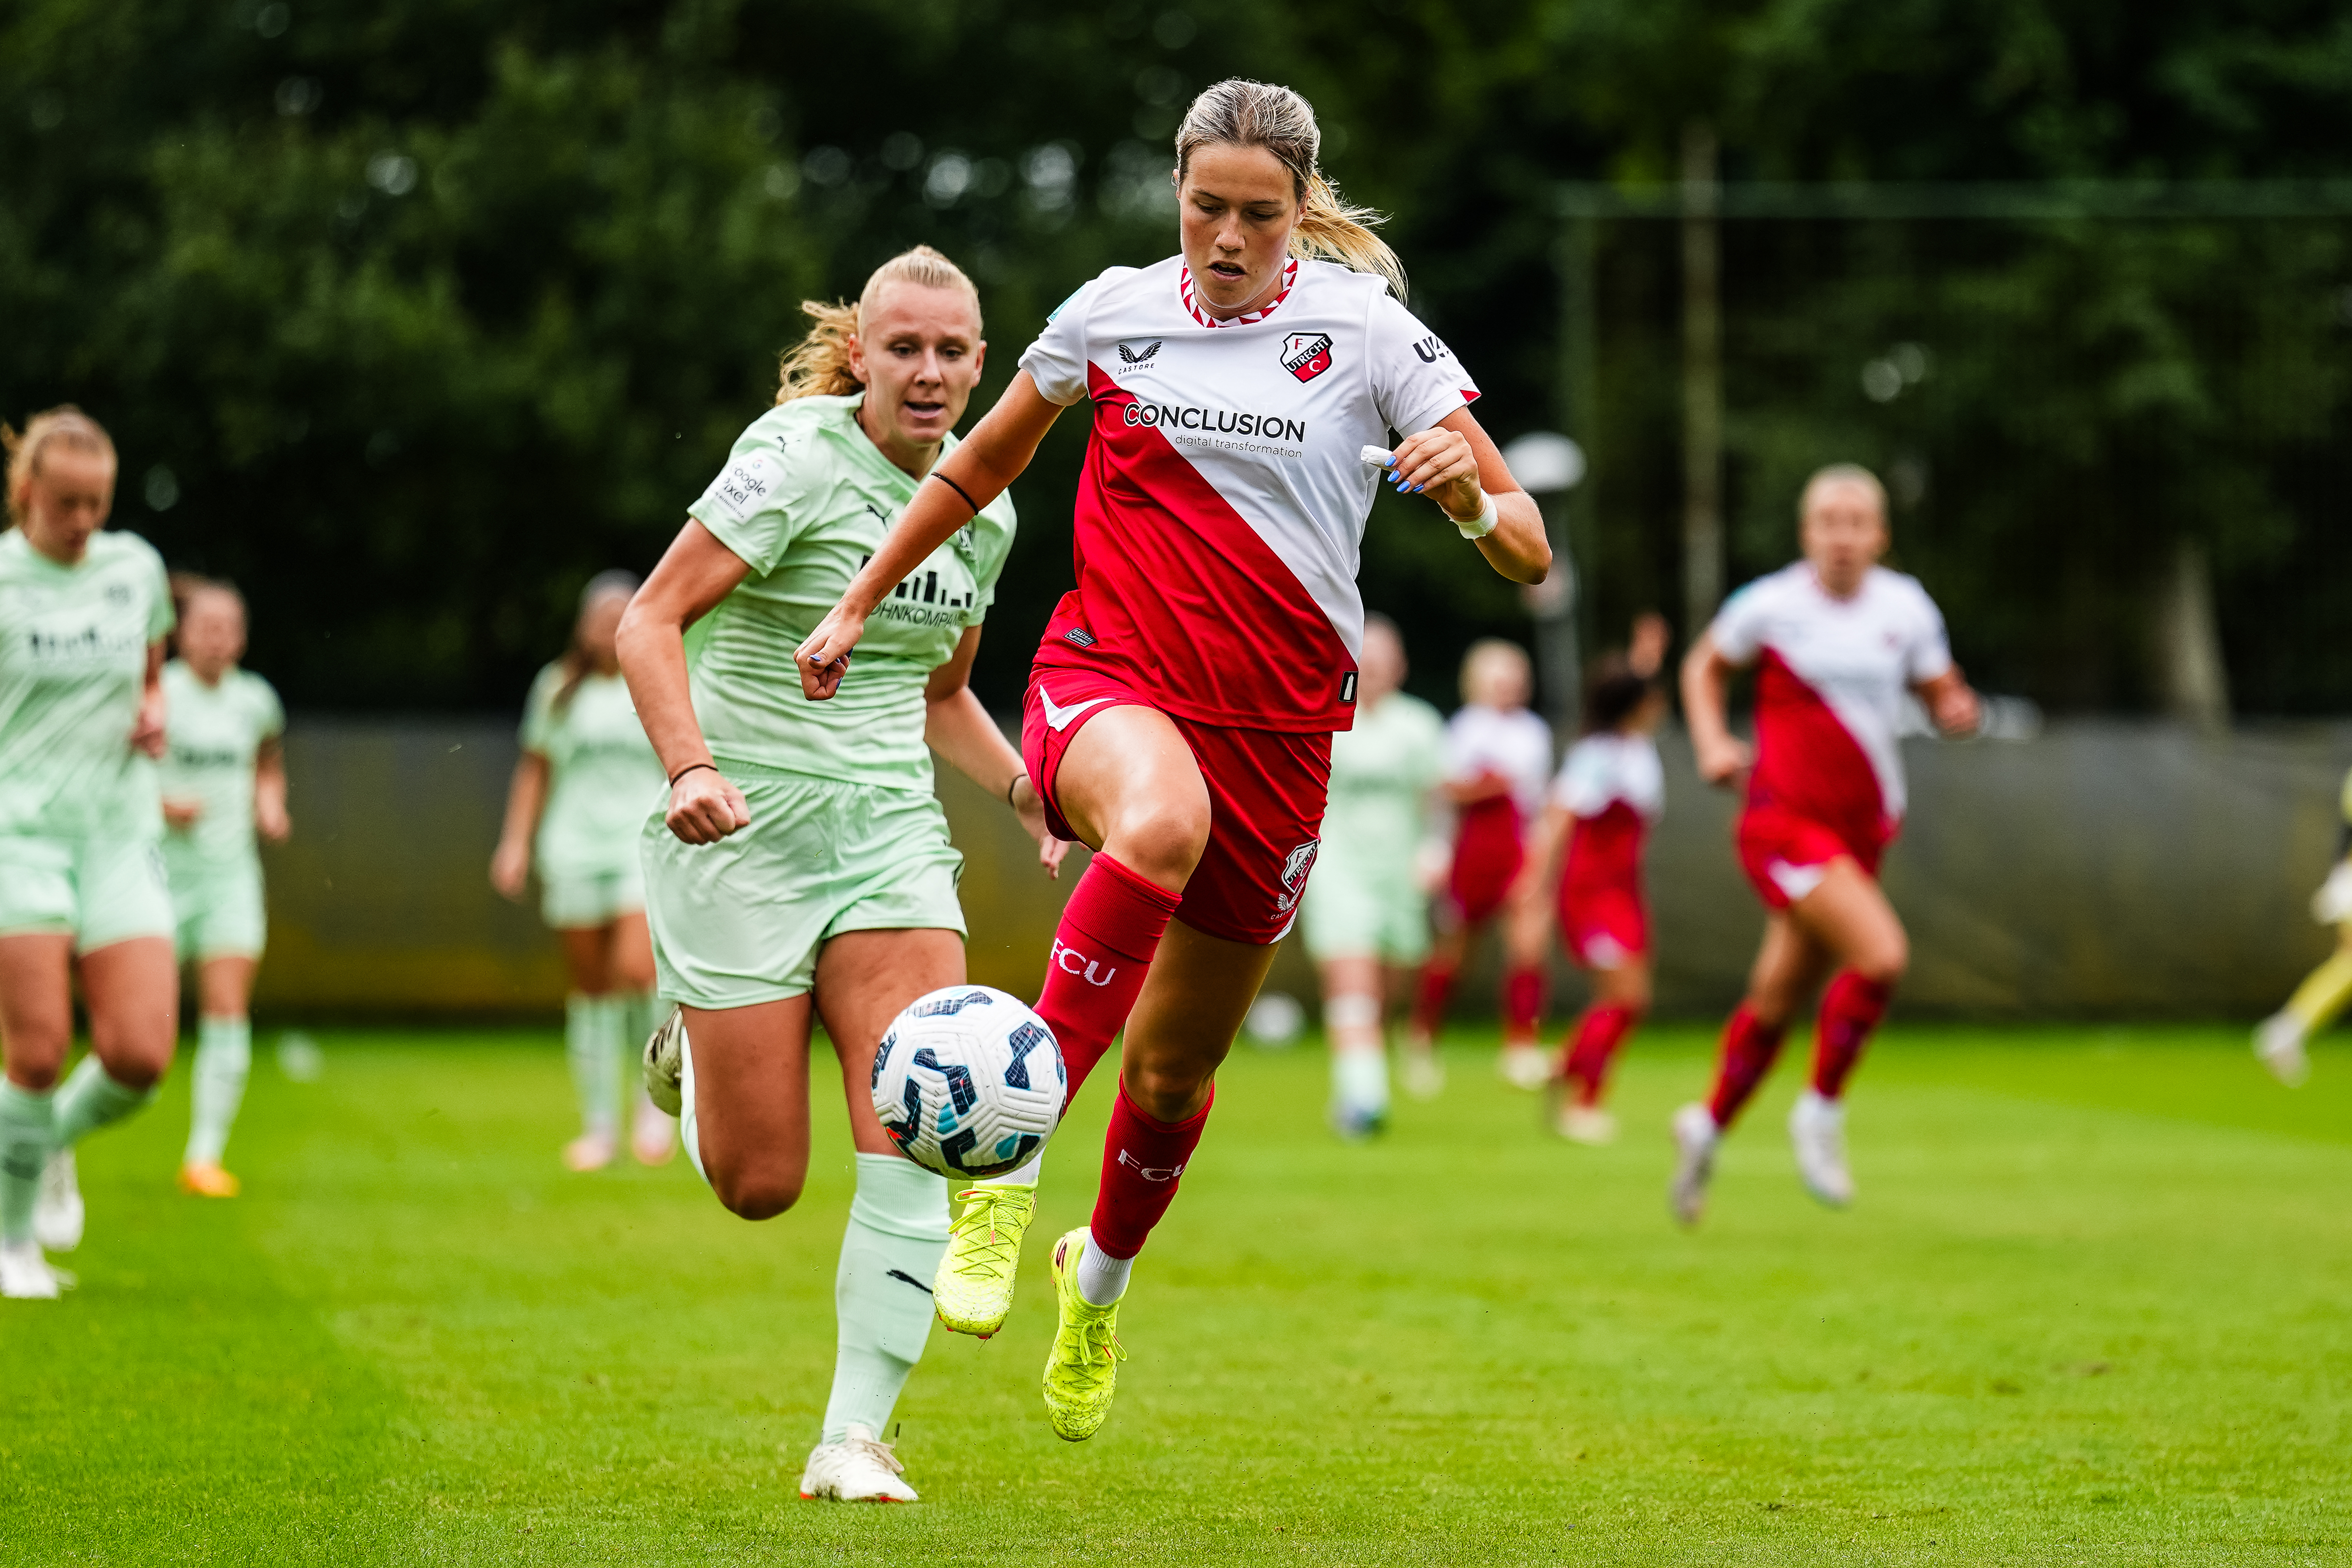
<point>1423,1074</point>
<point>1524,1066</point>
<point>1586,1124</point>
<point>1817,1131</point>
<point>664,1063</point>
<point>1695,1136</point>
<point>2278,1041</point>
<point>25,1275</point>
<point>860,1468</point>
<point>58,1211</point>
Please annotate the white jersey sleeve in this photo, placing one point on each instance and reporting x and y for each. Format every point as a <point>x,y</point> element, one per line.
<point>1416,381</point>
<point>1738,626</point>
<point>1929,654</point>
<point>1603,769</point>
<point>1057,360</point>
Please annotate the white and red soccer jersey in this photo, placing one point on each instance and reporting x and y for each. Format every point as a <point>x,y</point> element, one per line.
<point>1615,787</point>
<point>1223,505</point>
<point>1515,744</point>
<point>1829,689</point>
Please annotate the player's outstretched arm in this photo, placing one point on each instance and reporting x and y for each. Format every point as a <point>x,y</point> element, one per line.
<point>269,817</point>
<point>526,798</point>
<point>1951,702</point>
<point>1459,467</point>
<point>147,732</point>
<point>958,728</point>
<point>974,474</point>
<point>1722,756</point>
<point>694,573</point>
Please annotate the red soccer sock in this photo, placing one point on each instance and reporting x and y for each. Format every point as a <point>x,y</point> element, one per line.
<point>1142,1159</point>
<point>1597,1035</point>
<point>1749,1046</point>
<point>1103,948</point>
<point>1523,1005</point>
<point>1851,1009</point>
<point>1429,1007</point>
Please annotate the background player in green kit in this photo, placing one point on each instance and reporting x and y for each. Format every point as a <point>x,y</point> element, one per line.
<point>224,778</point>
<point>83,618</point>
<point>1366,915</point>
<point>803,862</point>
<point>581,788</point>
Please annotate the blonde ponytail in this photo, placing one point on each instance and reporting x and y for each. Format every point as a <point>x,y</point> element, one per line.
<point>1236,112</point>
<point>818,365</point>
<point>65,425</point>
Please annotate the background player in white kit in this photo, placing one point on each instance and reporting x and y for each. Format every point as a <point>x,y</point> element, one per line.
<point>1498,760</point>
<point>1837,641</point>
<point>1365,915</point>
<point>83,613</point>
<point>581,787</point>
<point>223,780</point>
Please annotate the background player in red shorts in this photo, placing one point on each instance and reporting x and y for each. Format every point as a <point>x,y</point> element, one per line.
<point>1181,705</point>
<point>1836,640</point>
<point>1611,788</point>
<point>1497,756</point>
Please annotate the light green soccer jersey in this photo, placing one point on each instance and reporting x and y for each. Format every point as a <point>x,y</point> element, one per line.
<point>602,775</point>
<point>212,737</point>
<point>73,662</point>
<point>805,500</point>
<point>1381,775</point>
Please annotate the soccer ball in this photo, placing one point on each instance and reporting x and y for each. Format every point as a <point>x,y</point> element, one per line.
<point>969,1082</point>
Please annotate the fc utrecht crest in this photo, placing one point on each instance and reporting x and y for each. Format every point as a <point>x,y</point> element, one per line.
<point>1307,354</point>
<point>1300,860</point>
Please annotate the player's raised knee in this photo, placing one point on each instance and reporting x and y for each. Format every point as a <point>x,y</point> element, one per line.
<point>756,1192</point>
<point>1884,961</point>
<point>1162,839</point>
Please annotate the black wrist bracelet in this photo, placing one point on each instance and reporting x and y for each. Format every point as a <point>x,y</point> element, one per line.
<point>1010,785</point>
<point>689,768</point>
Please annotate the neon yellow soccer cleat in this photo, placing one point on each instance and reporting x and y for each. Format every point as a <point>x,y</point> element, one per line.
<point>1083,1366</point>
<point>973,1287</point>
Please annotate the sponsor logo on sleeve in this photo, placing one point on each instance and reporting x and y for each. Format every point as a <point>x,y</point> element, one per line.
<point>1433,349</point>
<point>1307,354</point>
<point>748,485</point>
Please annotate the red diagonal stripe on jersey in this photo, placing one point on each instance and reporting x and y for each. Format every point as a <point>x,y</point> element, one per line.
<point>1180,590</point>
<point>1807,761</point>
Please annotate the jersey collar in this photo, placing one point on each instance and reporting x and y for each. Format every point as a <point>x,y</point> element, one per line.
<point>1184,292</point>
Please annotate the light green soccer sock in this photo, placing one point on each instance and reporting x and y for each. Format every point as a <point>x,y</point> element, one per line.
<point>636,1010</point>
<point>217,1088</point>
<point>89,1098</point>
<point>882,1291</point>
<point>27,1133</point>
<point>591,1027</point>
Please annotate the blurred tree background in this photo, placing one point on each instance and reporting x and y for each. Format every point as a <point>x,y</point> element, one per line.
<point>411,315</point>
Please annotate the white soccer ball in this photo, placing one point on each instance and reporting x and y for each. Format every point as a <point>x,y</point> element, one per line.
<point>969,1082</point>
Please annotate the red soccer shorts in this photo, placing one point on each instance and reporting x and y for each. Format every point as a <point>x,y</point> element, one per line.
<point>1786,855</point>
<point>1266,792</point>
<point>1488,852</point>
<point>1603,926</point>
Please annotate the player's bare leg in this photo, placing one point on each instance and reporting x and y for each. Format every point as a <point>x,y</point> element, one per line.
<point>217,1087</point>
<point>1423,1070</point>
<point>1620,999</point>
<point>1352,1008</point>
<point>1847,916</point>
<point>1526,945</point>
<point>1788,964</point>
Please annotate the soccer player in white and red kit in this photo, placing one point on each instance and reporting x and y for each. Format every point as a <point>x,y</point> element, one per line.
<point>1837,641</point>
<point>1497,759</point>
<point>1611,789</point>
<point>1180,709</point>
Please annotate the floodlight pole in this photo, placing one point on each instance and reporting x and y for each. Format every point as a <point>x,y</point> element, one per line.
<point>1701,194</point>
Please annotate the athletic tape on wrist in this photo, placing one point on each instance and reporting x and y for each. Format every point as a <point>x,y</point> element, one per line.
<point>1488,518</point>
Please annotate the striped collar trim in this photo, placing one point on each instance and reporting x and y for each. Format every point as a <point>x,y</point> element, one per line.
<point>1184,292</point>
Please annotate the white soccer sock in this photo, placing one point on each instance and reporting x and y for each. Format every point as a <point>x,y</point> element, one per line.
<point>589,1024</point>
<point>89,1098</point>
<point>1026,1176</point>
<point>881,1292</point>
<point>223,1057</point>
<point>1101,1279</point>
<point>27,1123</point>
<point>1359,1080</point>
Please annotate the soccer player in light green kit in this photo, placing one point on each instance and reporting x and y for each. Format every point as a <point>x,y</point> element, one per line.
<point>83,618</point>
<point>224,777</point>
<point>1366,913</point>
<point>802,863</point>
<point>581,788</point>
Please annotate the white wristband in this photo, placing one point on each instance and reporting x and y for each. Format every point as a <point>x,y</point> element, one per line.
<point>1485,523</point>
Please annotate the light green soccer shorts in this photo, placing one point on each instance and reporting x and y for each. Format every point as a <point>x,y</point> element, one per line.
<point>1355,909</point>
<point>740,921</point>
<point>570,900</point>
<point>99,891</point>
<point>219,905</point>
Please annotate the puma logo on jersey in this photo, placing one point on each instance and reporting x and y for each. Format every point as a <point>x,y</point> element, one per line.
<point>1307,354</point>
<point>1059,718</point>
<point>1136,350</point>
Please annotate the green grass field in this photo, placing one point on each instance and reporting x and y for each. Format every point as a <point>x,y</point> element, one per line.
<point>2091,1308</point>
